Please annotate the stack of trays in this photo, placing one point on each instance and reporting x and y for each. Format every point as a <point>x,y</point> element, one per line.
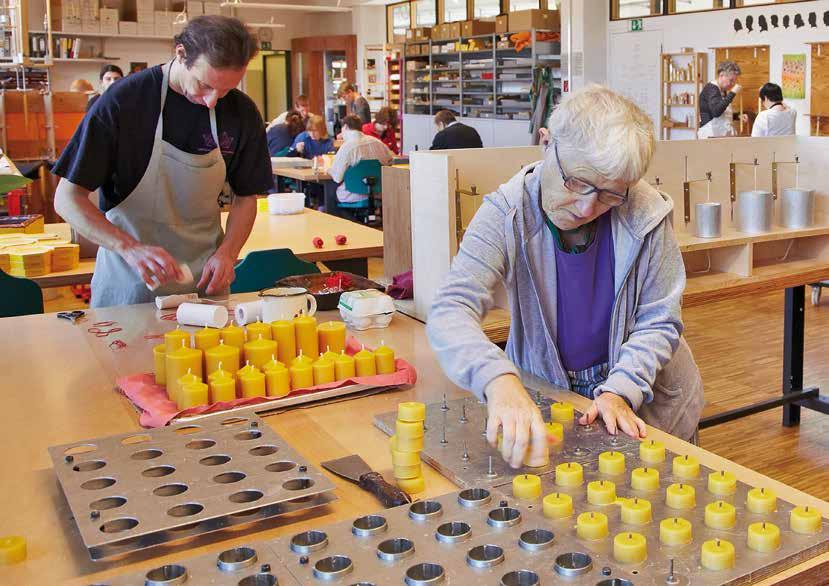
<point>65,255</point>
<point>29,261</point>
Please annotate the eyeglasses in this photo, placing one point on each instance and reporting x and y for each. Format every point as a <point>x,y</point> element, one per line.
<point>581,187</point>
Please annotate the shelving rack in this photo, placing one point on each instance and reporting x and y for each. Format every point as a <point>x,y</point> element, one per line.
<point>683,75</point>
<point>394,87</point>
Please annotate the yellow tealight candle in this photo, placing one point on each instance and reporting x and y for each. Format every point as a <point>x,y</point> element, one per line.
<point>12,549</point>
<point>805,520</point>
<point>601,492</point>
<point>364,363</point>
<point>191,395</point>
<point>244,370</point>
<point>174,338</point>
<point>561,412</point>
<point>331,335</point>
<point>160,363</point>
<point>686,467</point>
<point>763,537</point>
<point>302,376</point>
<point>652,451</point>
<point>278,380</point>
<point>569,474</point>
<point>344,367</point>
<point>761,500</point>
<point>557,505</point>
<point>636,511</point>
<point>285,336</point>
<point>272,363</point>
<point>229,356</point>
<point>257,329</point>
<point>630,548</point>
<point>305,327</point>
<point>384,359</point>
<point>526,486</point>
<point>408,429</point>
<point>259,351</point>
<point>722,483</point>
<point>222,386</point>
<point>302,359</point>
<point>720,515</point>
<point>612,463</point>
<point>406,444</point>
<point>252,382</point>
<point>591,526</point>
<point>411,411</point>
<point>332,356</point>
<point>717,555</point>
<point>644,479</point>
<point>681,496</point>
<point>675,531</point>
<point>555,431</point>
<point>233,335</point>
<point>206,338</point>
<point>323,369</point>
<point>179,363</point>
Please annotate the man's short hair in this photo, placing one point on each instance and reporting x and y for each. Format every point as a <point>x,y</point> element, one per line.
<point>728,67</point>
<point>109,68</point>
<point>302,100</point>
<point>225,42</point>
<point>345,87</point>
<point>353,122</point>
<point>772,92</point>
<point>444,117</point>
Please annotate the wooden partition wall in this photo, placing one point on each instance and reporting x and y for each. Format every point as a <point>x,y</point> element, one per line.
<point>307,66</point>
<point>819,90</point>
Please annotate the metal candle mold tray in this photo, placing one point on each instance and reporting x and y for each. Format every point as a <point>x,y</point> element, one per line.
<point>133,491</point>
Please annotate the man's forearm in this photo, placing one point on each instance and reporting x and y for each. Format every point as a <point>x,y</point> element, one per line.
<point>239,224</point>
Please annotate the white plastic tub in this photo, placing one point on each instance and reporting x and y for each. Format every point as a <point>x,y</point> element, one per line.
<point>367,309</point>
<point>281,204</point>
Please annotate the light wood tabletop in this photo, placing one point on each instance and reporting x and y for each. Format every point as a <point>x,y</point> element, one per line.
<point>302,174</point>
<point>58,386</point>
<point>295,232</point>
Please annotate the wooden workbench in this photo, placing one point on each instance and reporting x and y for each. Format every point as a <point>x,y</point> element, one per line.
<point>72,398</point>
<point>295,232</point>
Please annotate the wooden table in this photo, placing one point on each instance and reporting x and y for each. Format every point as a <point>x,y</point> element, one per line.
<point>307,175</point>
<point>73,399</point>
<point>295,232</point>
<point>397,220</point>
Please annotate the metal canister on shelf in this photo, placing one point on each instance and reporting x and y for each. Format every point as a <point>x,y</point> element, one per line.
<point>708,223</point>
<point>755,210</point>
<point>797,208</point>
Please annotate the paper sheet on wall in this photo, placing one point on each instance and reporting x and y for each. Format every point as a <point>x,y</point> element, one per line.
<point>634,69</point>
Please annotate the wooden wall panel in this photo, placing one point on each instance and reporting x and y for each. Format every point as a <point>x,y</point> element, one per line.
<point>756,71</point>
<point>819,104</point>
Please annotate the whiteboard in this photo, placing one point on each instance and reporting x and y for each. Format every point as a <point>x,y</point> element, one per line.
<point>634,62</point>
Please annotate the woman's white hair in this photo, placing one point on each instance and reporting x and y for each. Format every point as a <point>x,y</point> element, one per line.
<point>607,131</point>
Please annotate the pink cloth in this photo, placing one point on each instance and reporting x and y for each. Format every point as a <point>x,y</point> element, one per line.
<point>157,410</point>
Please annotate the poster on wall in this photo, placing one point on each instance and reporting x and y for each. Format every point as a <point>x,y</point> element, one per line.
<point>794,77</point>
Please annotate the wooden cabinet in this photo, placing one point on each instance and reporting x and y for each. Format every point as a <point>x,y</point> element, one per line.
<point>756,71</point>
<point>308,65</point>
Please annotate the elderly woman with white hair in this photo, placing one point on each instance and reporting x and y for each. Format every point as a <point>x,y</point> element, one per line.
<point>594,276</point>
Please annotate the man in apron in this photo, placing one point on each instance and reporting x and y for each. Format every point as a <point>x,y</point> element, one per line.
<point>716,114</point>
<point>162,145</point>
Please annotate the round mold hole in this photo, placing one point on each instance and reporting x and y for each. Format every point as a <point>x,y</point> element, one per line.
<point>170,489</point>
<point>186,510</point>
<point>485,556</point>
<point>215,460</point>
<point>573,563</point>
<point>474,497</point>
<point>187,429</point>
<point>131,440</point>
<point>238,558</point>
<point>246,436</point>
<point>520,578</point>
<point>229,477</point>
<point>536,539</point>
<point>423,510</point>
<point>150,454</point>
<point>363,584</point>
<point>395,549</point>
<point>98,483</point>
<point>309,541</point>
<point>259,580</point>
<point>504,517</point>
<point>234,421</point>
<point>615,582</point>
<point>298,484</point>
<point>453,532</point>
<point>158,471</point>
<point>333,567</point>
<point>425,573</point>
<point>369,525</point>
<point>119,525</point>
<point>166,575</point>
<point>89,466</point>
<point>266,450</point>
<point>81,449</point>
<point>245,496</point>
<point>282,466</point>
<point>200,444</point>
<point>110,502</point>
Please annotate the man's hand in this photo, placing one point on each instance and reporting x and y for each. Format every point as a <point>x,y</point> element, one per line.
<point>155,265</point>
<point>737,88</point>
<point>510,407</point>
<point>617,415</point>
<point>218,273</point>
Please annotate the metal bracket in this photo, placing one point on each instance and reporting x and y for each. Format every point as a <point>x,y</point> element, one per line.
<point>774,168</point>
<point>473,191</point>
<point>686,189</point>
<point>732,180</point>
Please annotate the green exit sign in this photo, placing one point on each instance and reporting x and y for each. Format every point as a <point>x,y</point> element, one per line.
<point>636,24</point>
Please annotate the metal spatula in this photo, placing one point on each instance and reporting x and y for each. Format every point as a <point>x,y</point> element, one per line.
<point>355,469</point>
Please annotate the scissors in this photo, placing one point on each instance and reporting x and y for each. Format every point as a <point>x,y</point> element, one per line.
<point>72,316</point>
<point>96,329</point>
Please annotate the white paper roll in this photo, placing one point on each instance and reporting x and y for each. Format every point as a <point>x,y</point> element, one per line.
<point>196,314</point>
<point>249,312</point>
<point>187,278</point>
<point>173,301</point>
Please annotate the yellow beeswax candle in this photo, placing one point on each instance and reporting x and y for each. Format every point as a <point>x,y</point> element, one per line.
<point>636,511</point>
<point>160,363</point>
<point>763,537</point>
<point>557,505</point>
<point>206,338</point>
<point>652,451</point>
<point>302,375</point>
<point>257,329</point>
<point>761,500</point>
<point>561,412</point>
<point>188,378</point>
<point>272,363</point>
<point>686,467</point>
<point>384,359</point>
<point>404,458</point>
<point>406,444</point>
<point>252,382</point>
<point>612,463</point>
<point>12,550</point>
<point>179,363</point>
<point>805,520</point>
<point>245,369</point>
<point>591,526</point>
<point>555,432</point>
<point>258,351</point>
<point>407,429</point>
<point>344,367</point>
<point>332,356</point>
<point>630,548</point>
<point>222,386</point>
<point>406,472</point>
<point>285,336</point>
<point>174,338</point>
<point>364,363</point>
<point>233,335</point>
<point>278,380</point>
<point>675,531</point>
<point>302,358</point>
<point>720,515</point>
<point>601,492</point>
<point>644,479</point>
<point>569,474</point>
<point>229,356</point>
<point>192,395</point>
<point>307,341</point>
<point>411,411</point>
<point>323,371</point>
<point>717,555</point>
<point>411,485</point>
<point>526,486</point>
<point>722,483</point>
<point>331,335</point>
<point>680,496</point>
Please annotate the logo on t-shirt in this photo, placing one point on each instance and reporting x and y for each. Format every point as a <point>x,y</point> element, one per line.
<point>227,142</point>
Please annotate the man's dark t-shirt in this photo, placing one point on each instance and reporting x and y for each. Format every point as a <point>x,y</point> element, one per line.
<point>111,148</point>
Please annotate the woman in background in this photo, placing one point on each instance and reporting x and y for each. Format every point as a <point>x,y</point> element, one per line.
<point>384,128</point>
<point>776,119</point>
<point>314,141</point>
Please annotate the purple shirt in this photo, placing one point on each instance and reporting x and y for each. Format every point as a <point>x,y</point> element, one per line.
<point>585,300</point>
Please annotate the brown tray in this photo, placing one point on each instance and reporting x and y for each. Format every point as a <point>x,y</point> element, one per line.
<point>316,282</point>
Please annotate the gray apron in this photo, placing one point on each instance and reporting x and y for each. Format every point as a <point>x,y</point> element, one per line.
<point>174,206</point>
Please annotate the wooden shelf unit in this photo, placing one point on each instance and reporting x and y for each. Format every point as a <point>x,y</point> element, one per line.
<point>694,66</point>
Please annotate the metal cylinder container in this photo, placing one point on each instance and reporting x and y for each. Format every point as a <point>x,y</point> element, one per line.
<point>797,208</point>
<point>708,223</point>
<point>755,210</point>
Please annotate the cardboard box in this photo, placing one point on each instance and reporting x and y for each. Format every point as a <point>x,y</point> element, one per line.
<point>194,8</point>
<point>90,26</point>
<point>146,29</point>
<point>212,8</point>
<point>419,34</point>
<point>68,25</point>
<point>471,28</point>
<point>399,39</point>
<point>109,16</point>
<point>127,27</point>
<point>522,20</point>
<point>145,16</point>
<point>453,30</point>
<point>502,23</point>
<point>144,5</point>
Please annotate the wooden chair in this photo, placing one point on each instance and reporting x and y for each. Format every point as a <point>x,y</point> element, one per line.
<point>262,268</point>
<point>19,296</point>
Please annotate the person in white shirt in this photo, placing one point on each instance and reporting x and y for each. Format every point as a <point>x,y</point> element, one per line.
<point>301,105</point>
<point>356,147</point>
<point>776,119</point>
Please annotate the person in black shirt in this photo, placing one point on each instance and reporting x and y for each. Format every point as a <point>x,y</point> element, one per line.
<point>454,135</point>
<point>716,116</point>
<point>355,103</point>
<point>109,75</point>
<point>162,145</point>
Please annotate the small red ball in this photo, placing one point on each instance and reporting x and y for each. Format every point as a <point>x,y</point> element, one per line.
<point>340,239</point>
<point>318,242</point>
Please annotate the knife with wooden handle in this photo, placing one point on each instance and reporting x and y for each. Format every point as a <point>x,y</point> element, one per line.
<point>355,469</point>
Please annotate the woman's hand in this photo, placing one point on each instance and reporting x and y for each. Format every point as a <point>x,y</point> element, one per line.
<point>510,407</point>
<point>617,415</point>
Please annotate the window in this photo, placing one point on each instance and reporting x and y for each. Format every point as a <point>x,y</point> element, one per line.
<point>694,5</point>
<point>454,10</point>
<point>637,8</point>
<point>398,19</point>
<point>524,5</point>
<point>487,8</point>
<point>426,13</point>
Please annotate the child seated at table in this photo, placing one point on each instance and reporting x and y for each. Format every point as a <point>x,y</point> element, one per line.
<point>314,141</point>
